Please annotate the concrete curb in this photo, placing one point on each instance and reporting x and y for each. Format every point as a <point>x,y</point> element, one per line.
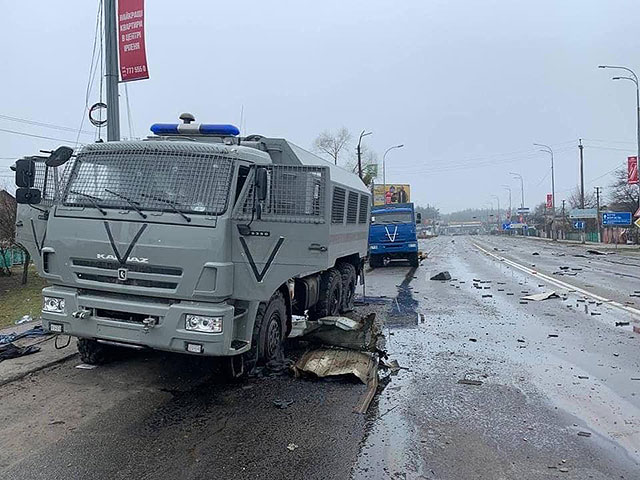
<point>21,375</point>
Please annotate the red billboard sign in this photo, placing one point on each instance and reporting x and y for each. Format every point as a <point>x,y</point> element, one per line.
<point>549,201</point>
<point>632,170</point>
<point>133,57</point>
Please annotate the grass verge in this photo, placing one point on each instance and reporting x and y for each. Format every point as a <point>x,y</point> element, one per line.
<point>17,300</point>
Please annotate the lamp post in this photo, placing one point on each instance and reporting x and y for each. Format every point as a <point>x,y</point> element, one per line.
<point>549,150</point>
<point>634,79</point>
<point>364,133</point>
<point>508,188</point>
<point>384,170</point>
<point>499,216</point>
<point>517,175</point>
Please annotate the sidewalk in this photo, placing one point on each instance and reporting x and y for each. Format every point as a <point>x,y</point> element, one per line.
<point>16,368</point>
<point>594,245</point>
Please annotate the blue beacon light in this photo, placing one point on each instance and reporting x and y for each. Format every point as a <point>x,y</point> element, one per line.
<point>221,130</point>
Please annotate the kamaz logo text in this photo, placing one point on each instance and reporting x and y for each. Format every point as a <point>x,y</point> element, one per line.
<point>103,256</point>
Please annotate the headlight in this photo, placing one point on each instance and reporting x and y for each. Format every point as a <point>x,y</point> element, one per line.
<point>53,304</point>
<point>200,323</point>
<point>373,247</point>
<point>413,245</point>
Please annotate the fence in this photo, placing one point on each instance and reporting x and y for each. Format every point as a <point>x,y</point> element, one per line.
<point>12,256</point>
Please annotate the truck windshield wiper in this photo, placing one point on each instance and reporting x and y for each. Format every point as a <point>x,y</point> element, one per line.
<point>92,200</point>
<point>128,200</point>
<point>171,204</point>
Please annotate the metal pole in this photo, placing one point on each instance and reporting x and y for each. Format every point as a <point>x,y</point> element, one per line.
<point>509,188</point>
<point>581,147</point>
<point>598,212</point>
<point>548,149</point>
<point>111,70</point>
<point>384,168</point>
<point>364,133</point>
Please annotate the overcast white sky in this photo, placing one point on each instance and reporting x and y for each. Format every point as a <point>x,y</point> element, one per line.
<point>467,86</point>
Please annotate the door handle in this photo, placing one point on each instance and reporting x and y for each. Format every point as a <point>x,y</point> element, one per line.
<point>317,247</point>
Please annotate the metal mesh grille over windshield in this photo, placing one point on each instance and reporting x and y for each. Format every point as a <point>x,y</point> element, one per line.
<point>191,178</point>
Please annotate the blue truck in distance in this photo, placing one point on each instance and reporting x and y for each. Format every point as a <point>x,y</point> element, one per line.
<point>392,234</point>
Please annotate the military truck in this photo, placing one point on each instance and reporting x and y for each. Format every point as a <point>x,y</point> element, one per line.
<point>195,240</point>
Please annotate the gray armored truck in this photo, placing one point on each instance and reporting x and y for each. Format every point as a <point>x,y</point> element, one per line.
<point>194,240</point>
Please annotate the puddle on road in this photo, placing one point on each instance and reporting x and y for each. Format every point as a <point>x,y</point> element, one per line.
<point>403,309</point>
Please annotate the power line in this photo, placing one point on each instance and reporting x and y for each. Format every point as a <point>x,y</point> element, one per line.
<point>44,124</point>
<point>36,136</point>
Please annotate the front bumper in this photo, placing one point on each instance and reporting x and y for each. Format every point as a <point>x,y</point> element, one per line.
<point>393,248</point>
<point>169,334</point>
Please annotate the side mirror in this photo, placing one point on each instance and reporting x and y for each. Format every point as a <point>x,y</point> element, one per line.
<point>59,156</point>
<point>25,173</point>
<point>28,196</point>
<point>418,217</point>
<point>261,184</point>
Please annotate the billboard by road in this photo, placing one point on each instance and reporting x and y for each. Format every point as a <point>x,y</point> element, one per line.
<point>393,193</point>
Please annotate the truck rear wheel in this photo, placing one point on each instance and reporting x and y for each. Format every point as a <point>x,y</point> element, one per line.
<point>92,352</point>
<point>414,261</point>
<point>330,295</point>
<point>348,273</point>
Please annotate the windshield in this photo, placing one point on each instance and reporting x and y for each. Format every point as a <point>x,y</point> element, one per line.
<point>391,217</point>
<point>153,180</point>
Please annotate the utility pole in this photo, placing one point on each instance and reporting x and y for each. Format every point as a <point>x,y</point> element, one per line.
<point>598,189</point>
<point>581,147</point>
<point>364,133</point>
<point>549,150</point>
<point>563,220</point>
<point>111,70</point>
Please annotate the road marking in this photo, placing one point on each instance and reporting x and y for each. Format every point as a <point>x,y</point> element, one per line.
<point>559,283</point>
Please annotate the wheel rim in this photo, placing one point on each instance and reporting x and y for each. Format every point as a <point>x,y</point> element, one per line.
<point>274,337</point>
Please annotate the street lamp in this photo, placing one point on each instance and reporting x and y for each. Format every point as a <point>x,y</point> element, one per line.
<point>517,175</point>
<point>499,216</point>
<point>508,188</point>
<point>549,150</point>
<point>384,170</point>
<point>634,79</point>
<point>364,133</point>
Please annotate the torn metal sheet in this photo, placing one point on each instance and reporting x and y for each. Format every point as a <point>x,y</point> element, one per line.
<point>541,296</point>
<point>327,362</point>
<point>367,337</point>
<point>342,323</point>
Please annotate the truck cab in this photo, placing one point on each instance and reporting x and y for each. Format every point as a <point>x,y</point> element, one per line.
<point>392,234</point>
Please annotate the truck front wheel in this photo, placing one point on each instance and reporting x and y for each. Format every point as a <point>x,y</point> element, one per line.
<point>268,333</point>
<point>414,261</point>
<point>92,352</point>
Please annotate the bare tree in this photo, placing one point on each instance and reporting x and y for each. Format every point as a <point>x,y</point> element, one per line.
<point>622,196</point>
<point>331,143</point>
<point>574,199</point>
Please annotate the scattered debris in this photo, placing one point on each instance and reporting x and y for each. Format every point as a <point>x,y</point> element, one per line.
<point>282,404</point>
<point>342,323</point>
<point>599,252</point>
<point>553,335</point>
<point>584,434</point>
<point>535,253</point>
<point>622,324</point>
<point>595,313</point>
<point>469,381</point>
<point>24,319</point>
<point>442,276</point>
<point>9,350</point>
<point>488,295</point>
<point>521,340</point>
<point>537,297</point>
<point>473,339</point>
<point>583,377</point>
<point>86,366</point>
<point>291,447</point>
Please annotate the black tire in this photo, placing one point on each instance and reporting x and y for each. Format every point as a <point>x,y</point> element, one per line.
<point>268,333</point>
<point>92,352</point>
<point>375,261</point>
<point>414,260</point>
<point>349,281</point>
<point>330,295</point>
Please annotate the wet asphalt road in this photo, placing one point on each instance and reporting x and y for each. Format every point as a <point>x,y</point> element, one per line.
<point>548,370</point>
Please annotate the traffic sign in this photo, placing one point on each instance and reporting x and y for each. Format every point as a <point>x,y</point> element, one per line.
<point>523,210</point>
<point>637,223</point>
<point>616,218</point>
<point>578,225</point>
<point>506,225</point>
<point>637,214</point>
<point>583,213</point>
